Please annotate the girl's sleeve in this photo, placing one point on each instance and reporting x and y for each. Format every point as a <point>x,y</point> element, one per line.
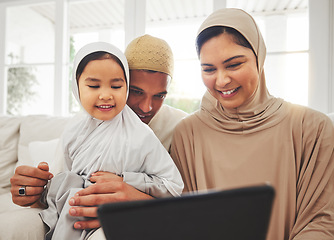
<point>157,175</point>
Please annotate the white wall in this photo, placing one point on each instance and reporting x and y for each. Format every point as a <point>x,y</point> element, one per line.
<point>3,84</point>
<point>321,51</point>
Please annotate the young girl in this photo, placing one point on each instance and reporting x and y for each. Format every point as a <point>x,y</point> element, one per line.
<point>108,136</point>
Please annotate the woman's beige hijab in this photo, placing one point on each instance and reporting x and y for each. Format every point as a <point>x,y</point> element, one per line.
<point>261,110</point>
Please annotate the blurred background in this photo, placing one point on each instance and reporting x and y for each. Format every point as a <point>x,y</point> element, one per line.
<point>39,39</point>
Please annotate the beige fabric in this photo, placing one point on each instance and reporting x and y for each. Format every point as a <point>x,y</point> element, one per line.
<point>150,53</point>
<point>21,224</point>
<point>6,203</point>
<point>264,140</point>
<point>164,122</point>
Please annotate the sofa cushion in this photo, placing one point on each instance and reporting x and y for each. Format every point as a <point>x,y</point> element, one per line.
<point>331,116</point>
<point>38,128</point>
<point>24,224</point>
<point>46,151</point>
<point>9,137</point>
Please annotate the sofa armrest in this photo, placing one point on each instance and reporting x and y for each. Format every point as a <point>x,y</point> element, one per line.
<point>9,137</point>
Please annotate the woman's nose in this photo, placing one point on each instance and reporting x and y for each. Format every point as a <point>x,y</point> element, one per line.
<point>222,79</point>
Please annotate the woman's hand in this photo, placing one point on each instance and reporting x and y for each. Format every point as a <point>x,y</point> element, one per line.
<point>107,188</point>
<point>33,179</point>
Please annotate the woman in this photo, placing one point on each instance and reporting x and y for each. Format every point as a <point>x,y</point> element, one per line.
<point>244,136</point>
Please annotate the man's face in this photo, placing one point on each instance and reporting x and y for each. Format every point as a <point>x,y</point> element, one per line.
<point>147,92</point>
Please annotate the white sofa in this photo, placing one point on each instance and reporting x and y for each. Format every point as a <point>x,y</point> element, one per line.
<point>331,116</point>
<point>24,140</point>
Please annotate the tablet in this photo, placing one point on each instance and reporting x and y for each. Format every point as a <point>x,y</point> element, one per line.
<point>241,213</point>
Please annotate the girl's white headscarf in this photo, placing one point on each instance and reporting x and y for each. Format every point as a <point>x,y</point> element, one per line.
<point>97,47</point>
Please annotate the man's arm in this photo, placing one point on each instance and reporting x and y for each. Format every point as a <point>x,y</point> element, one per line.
<point>107,188</point>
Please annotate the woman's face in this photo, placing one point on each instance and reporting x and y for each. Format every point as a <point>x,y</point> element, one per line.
<point>102,89</point>
<point>229,70</point>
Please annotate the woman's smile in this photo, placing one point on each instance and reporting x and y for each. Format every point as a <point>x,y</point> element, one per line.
<point>229,93</point>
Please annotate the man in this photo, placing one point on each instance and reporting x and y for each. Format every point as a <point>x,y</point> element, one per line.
<point>151,65</point>
<point>151,68</point>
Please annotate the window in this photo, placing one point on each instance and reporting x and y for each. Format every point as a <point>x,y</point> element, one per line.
<point>178,26</point>
<point>285,34</point>
<point>31,42</point>
<point>286,37</point>
<point>88,23</point>
<point>29,60</point>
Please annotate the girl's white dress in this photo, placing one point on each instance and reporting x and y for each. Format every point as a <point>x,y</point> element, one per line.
<point>124,146</point>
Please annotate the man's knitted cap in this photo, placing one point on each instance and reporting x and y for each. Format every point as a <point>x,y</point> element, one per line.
<point>150,53</point>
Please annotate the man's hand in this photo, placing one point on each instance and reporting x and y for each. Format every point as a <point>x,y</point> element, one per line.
<point>107,188</point>
<point>33,179</point>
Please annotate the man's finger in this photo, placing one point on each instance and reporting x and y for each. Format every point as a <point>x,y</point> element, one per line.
<point>94,199</point>
<point>26,200</point>
<point>43,166</point>
<point>87,224</point>
<point>29,191</point>
<point>20,180</point>
<point>33,172</point>
<point>107,187</point>
<point>83,211</point>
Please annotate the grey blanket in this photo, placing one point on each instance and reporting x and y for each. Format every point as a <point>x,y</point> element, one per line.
<point>62,187</point>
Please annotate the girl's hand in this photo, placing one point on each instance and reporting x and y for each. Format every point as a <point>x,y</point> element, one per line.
<point>101,177</point>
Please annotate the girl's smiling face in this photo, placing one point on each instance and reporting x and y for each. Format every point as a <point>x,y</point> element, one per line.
<point>229,70</point>
<point>102,89</point>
